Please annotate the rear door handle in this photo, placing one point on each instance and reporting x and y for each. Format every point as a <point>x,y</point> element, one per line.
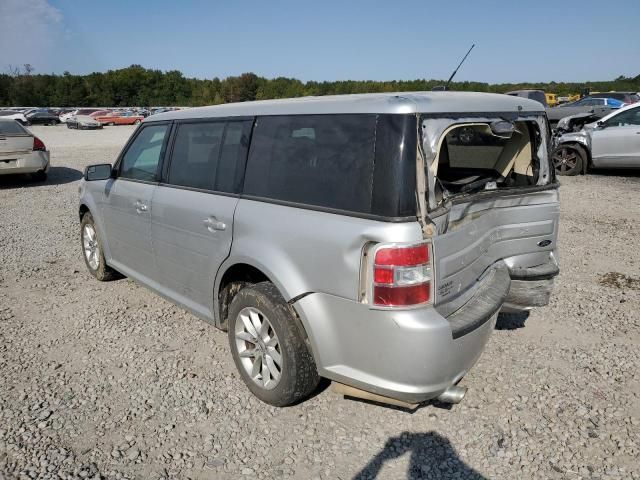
<point>141,207</point>
<point>213,224</point>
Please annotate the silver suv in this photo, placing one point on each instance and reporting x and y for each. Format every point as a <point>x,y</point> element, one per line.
<point>368,239</point>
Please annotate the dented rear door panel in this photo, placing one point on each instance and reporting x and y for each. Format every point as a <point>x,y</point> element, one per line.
<point>477,234</point>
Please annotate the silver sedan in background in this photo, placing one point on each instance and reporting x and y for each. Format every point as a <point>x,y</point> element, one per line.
<point>83,122</point>
<point>21,151</point>
<point>611,142</point>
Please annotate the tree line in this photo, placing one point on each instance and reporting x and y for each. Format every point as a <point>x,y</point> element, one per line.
<point>138,86</point>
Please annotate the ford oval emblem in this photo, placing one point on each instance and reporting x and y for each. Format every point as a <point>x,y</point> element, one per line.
<point>544,243</point>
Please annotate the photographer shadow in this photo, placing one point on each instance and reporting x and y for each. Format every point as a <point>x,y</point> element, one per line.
<point>432,456</point>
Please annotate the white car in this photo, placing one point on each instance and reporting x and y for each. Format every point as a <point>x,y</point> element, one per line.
<point>21,151</point>
<point>611,142</point>
<point>66,116</point>
<point>80,111</point>
<point>14,115</point>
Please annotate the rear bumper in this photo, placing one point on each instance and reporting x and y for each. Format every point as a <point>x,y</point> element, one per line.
<point>410,355</point>
<point>531,286</point>
<point>25,163</point>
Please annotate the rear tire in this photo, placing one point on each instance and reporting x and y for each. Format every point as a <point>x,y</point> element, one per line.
<point>274,358</point>
<point>569,159</point>
<point>91,243</point>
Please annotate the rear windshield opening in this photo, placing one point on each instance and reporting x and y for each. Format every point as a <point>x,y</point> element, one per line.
<point>11,128</point>
<point>479,156</point>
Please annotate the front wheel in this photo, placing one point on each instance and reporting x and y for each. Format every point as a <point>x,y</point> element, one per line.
<point>569,159</point>
<point>269,346</point>
<point>137,122</point>
<point>92,250</point>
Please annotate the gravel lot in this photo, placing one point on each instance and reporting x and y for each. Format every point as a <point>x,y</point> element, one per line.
<point>107,380</point>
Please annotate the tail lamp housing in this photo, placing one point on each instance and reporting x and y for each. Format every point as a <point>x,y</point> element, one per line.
<point>401,275</point>
<point>38,145</point>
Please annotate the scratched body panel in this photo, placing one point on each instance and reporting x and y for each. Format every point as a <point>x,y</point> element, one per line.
<point>490,231</point>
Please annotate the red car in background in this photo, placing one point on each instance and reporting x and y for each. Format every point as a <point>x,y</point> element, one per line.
<point>119,118</point>
<point>99,113</point>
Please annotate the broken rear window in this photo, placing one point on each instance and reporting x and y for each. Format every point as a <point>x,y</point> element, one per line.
<point>484,154</point>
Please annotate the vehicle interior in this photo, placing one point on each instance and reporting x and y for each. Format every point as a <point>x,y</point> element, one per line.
<point>477,156</point>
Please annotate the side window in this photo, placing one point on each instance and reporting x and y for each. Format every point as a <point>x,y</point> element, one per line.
<point>233,157</point>
<point>140,161</point>
<point>319,160</point>
<point>628,117</point>
<point>210,155</point>
<point>195,154</point>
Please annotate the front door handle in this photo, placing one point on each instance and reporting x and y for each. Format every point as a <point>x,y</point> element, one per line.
<point>213,224</point>
<point>141,207</point>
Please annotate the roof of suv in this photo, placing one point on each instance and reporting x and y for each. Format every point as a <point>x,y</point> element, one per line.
<point>402,102</point>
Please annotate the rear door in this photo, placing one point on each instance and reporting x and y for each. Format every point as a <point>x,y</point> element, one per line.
<point>617,145</point>
<point>127,203</point>
<point>495,210</point>
<point>193,209</point>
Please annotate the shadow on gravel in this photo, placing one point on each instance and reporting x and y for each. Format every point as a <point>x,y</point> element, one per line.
<point>56,176</point>
<point>511,321</point>
<point>432,456</point>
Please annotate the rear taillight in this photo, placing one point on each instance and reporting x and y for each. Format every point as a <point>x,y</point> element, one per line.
<point>402,275</point>
<point>38,144</point>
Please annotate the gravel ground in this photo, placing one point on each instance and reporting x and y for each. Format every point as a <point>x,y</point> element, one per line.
<point>107,380</point>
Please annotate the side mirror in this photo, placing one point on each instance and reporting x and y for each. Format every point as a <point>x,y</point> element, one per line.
<point>104,171</point>
<point>601,124</point>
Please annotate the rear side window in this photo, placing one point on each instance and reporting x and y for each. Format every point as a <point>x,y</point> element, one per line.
<point>626,118</point>
<point>210,155</point>
<point>195,153</point>
<point>11,128</point>
<point>140,161</point>
<point>319,160</point>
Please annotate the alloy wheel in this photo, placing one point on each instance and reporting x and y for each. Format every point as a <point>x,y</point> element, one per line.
<point>565,159</point>
<point>90,246</point>
<point>258,347</point>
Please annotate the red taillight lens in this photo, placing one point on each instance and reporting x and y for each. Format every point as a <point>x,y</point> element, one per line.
<point>403,256</point>
<point>38,144</point>
<point>402,275</point>
<point>401,296</point>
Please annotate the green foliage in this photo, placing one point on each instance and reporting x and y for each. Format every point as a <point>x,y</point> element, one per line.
<point>138,86</point>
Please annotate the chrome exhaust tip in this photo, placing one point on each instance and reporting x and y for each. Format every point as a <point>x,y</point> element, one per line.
<point>453,394</point>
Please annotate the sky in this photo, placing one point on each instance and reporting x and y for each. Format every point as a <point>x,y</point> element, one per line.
<point>516,41</point>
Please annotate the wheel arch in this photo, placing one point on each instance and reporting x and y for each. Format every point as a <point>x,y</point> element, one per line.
<point>232,276</point>
<point>241,271</point>
<point>87,206</point>
<point>82,210</point>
